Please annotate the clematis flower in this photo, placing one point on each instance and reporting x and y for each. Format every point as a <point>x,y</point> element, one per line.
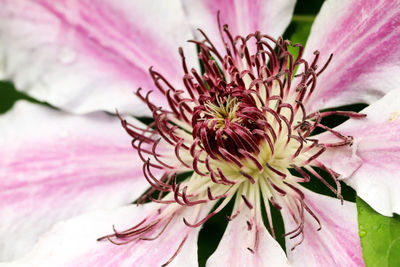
<point>242,129</point>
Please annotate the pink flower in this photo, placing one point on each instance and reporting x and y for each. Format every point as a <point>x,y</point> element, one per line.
<point>243,129</point>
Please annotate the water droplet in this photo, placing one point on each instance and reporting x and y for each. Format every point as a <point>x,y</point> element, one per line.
<point>63,134</point>
<point>67,55</point>
<point>376,227</point>
<point>362,233</point>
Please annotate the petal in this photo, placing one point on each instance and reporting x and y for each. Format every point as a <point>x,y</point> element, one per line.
<point>377,145</point>
<point>343,160</point>
<point>55,166</point>
<point>73,242</point>
<point>336,244</point>
<point>243,17</point>
<point>363,37</point>
<point>84,55</point>
<point>235,245</point>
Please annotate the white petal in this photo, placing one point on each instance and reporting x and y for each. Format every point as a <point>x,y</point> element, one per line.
<point>84,55</point>
<point>73,243</point>
<point>233,250</point>
<point>55,166</point>
<point>363,37</point>
<point>343,160</point>
<point>336,244</point>
<point>377,147</point>
<point>243,17</point>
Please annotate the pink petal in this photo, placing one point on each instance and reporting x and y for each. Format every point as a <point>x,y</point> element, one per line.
<point>84,55</point>
<point>233,250</point>
<point>363,37</point>
<point>54,166</point>
<point>377,145</point>
<point>343,160</point>
<point>336,244</point>
<point>73,242</point>
<point>243,17</point>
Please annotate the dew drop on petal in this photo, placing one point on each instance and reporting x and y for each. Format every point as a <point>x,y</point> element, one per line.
<point>63,134</point>
<point>67,55</point>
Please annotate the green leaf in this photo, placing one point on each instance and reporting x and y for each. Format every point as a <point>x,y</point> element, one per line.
<point>380,236</point>
<point>298,32</point>
<point>9,95</point>
<point>303,18</point>
<point>303,29</point>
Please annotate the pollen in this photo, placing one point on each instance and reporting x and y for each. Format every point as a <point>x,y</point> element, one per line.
<point>223,112</point>
<point>394,116</point>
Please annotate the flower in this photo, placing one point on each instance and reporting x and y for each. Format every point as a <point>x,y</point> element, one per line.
<point>207,130</point>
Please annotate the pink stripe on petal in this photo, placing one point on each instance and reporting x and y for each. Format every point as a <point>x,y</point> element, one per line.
<point>240,246</point>
<point>243,17</point>
<point>73,242</point>
<point>377,147</point>
<point>336,244</point>
<point>55,166</point>
<point>363,37</point>
<point>84,55</point>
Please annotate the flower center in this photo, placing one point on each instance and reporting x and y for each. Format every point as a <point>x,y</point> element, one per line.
<point>219,114</point>
<point>241,127</point>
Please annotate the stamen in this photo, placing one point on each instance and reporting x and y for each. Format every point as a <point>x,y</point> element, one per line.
<point>247,202</point>
<point>176,252</point>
